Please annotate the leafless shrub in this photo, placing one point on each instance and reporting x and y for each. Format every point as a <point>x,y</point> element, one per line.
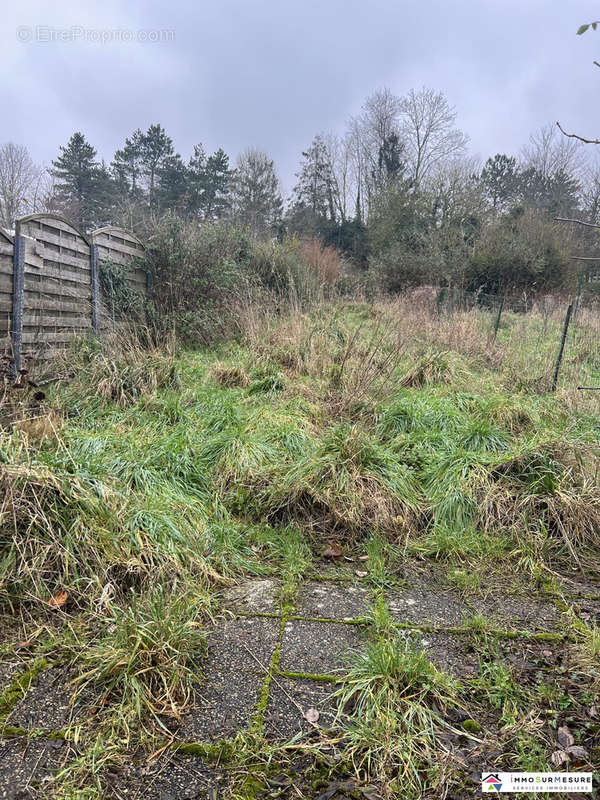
<point>325,262</point>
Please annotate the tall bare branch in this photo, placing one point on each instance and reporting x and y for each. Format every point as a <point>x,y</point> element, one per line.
<point>575,136</point>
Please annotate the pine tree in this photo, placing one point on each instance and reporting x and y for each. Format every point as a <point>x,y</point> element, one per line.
<point>315,188</point>
<point>209,183</point>
<point>173,184</point>
<point>257,201</point>
<point>79,178</point>
<point>217,186</point>
<point>196,176</point>
<point>500,178</point>
<point>548,194</point>
<point>156,148</point>
<point>127,164</point>
<point>106,194</point>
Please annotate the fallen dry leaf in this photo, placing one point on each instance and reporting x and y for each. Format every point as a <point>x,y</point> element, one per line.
<point>23,645</point>
<point>363,558</point>
<point>311,715</point>
<point>333,551</point>
<point>58,600</point>
<point>577,751</point>
<point>565,737</point>
<point>559,757</point>
<point>360,573</point>
<point>369,792</point>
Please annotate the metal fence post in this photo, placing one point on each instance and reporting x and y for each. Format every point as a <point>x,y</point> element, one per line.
<point>497,323</point>
<point>578,298</point>
<point>562,346</point>
<point>147,309</point>
<point>16,326</point>
<point>95,287</point>
<point>439,300</point>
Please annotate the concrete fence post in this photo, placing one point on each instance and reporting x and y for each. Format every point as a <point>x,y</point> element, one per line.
<point>498,317</point>
<point>16,321</point>
<point>94,280</point>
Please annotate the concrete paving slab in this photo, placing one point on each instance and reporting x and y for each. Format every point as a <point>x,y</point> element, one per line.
<point>239,652</point>
<point>27,766</point>
<point>253,597</point>
<point>427,604</point>
<point>48,704</point>
<point>289,700</point>
<point>318,647</point>
<point>510,611</point>
<point>168,777</point>
<point>333,600</point>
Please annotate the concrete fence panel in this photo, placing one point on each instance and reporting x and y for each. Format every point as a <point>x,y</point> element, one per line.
<point>49,282</point>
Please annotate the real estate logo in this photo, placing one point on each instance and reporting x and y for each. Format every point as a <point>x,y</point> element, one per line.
<point>491,783</point>
<point>537,782</point>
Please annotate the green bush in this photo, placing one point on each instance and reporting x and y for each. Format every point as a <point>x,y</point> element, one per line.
<point>519,252</point>
<point>194,271</point>
<point>202,275</point>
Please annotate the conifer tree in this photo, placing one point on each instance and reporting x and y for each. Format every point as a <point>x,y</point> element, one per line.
<point>127,164</point>
<point>257,202</point>
<point>78,181</point>
<point>209,184</point>
<point>156,148</point>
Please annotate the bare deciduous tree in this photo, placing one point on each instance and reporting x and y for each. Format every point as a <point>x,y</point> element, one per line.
<point>427,127</point>
<point>550,153</point>
<point>455,191</point>
<point>368,134</point>
<point>339,155</point>
<point>19,180</point>
<point>590,193</point>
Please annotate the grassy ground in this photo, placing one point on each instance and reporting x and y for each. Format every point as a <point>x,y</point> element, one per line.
<point>374,437</point>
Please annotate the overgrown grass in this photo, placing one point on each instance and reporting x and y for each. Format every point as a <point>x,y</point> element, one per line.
<point>148,479</point>
<point>163,461</point>
<point>391,712</point>
<point>147,655</point>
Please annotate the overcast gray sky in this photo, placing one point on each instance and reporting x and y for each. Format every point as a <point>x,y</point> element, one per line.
<point>273,73</point>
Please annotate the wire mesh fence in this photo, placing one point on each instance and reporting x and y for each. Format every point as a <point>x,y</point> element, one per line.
<point>547,343</point>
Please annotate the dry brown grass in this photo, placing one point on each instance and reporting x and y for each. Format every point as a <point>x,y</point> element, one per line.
<point>550,490</point>
<point>230,375</point>
<point>126,364</point>
<point>41,427</point>
<point>316,342</point>
<point>324,262</point>
<point>440,367</point>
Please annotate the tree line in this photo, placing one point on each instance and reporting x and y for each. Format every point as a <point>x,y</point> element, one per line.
<point>397,193</point>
